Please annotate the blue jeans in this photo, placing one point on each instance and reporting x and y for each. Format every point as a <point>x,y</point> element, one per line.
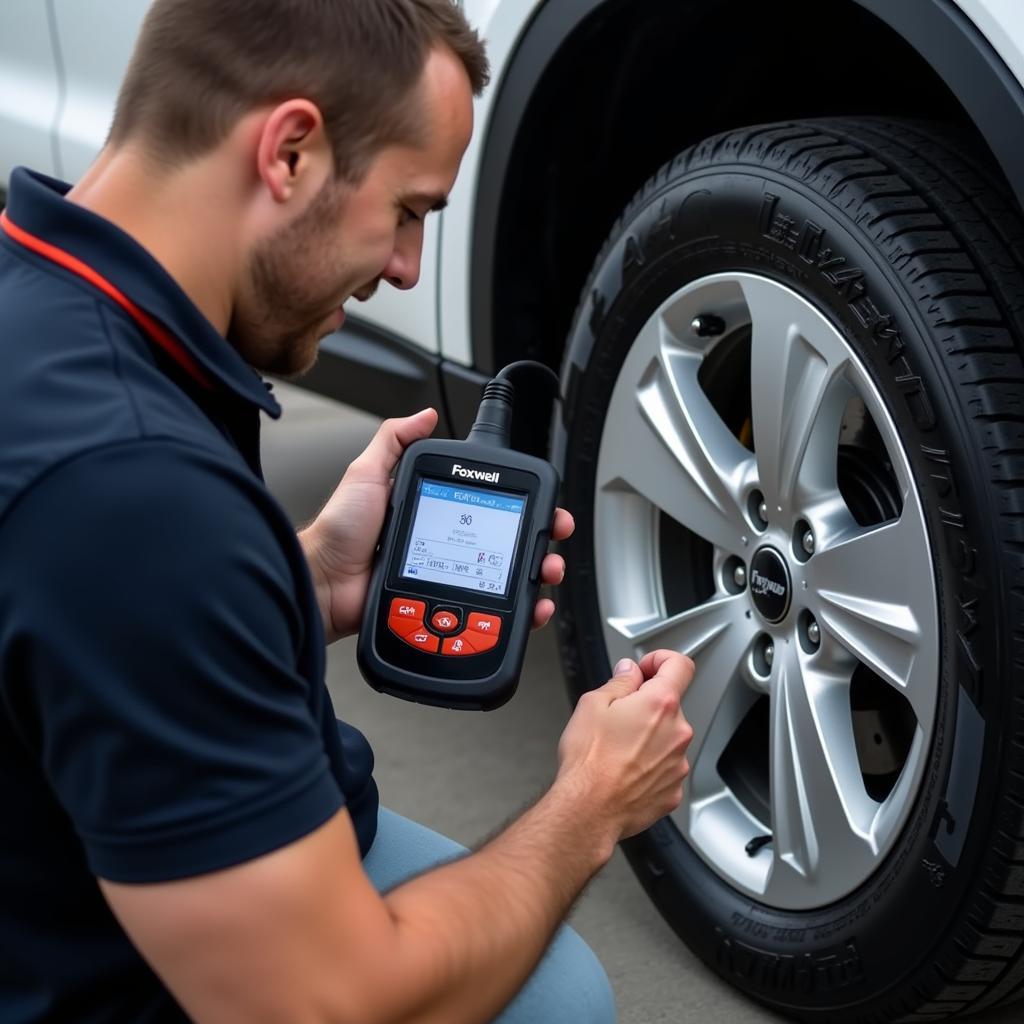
<point>568,985</point>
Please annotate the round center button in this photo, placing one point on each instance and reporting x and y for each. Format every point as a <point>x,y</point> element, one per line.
<point>444,621</point>
<point>770,584</point>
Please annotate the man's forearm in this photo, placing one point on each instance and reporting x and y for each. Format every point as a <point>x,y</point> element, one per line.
<point>470,933</point>
<point>321,582</point>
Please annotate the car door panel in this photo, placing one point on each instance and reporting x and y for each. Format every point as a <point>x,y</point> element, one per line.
<point>29,91</point>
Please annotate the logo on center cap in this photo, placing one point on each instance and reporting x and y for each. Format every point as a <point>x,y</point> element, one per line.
<point>765,585</point>
<point>770,584</point>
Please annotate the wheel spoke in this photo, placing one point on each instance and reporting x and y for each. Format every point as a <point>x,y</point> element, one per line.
<point>664,439</point>
<point>874,588</point>
<point>718,636</point>
<point>718,698</point>
<point>819,808</point>
<point>687,632</point>
<point>797,397</point>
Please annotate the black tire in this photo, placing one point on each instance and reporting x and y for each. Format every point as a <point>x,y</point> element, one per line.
<point>936,242</point>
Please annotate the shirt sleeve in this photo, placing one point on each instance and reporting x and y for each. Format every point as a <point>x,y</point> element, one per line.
<point>154,606</point>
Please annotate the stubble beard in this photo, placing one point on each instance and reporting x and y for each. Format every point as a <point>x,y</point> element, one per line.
<point>280,333</point>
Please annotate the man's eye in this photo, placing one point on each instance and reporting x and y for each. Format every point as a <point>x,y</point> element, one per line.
<point>408,215</point>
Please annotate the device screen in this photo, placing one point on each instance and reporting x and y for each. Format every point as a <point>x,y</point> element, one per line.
<point>463,537</point>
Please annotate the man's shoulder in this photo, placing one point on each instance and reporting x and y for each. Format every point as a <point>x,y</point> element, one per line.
<point>58,395</point>
<point>44,303</point>
<point>77,379</point>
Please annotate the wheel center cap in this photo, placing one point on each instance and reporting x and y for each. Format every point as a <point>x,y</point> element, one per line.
<point>770,584</point>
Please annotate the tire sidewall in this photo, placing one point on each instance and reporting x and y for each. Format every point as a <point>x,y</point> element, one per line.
<point>726,218</point>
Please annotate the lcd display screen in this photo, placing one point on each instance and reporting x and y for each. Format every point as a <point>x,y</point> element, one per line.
<point>463,537</point>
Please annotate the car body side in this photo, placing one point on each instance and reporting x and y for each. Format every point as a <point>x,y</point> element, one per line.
<point>589,98</point>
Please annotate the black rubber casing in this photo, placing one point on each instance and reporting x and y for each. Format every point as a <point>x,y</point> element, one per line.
<point>481,681</point>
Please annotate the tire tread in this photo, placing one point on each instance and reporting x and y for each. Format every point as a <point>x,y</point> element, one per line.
<point>949,226</point>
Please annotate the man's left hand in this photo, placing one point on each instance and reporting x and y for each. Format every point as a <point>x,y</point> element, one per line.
<point>341,541</point>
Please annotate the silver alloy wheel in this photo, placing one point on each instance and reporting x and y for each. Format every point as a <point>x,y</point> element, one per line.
<point>869,591</point>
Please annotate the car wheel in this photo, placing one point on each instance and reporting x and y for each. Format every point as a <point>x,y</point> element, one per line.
<point>793,439</point>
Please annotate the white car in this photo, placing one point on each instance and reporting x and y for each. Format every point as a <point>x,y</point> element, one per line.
<point>776,249</point>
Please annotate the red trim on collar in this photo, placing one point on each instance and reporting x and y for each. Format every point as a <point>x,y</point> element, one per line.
<point>158,334</point>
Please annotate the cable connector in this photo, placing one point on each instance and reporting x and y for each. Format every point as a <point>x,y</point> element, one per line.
<point>493,424</point>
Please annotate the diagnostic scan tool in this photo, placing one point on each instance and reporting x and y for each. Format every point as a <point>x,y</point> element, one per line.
<point>457,573</point>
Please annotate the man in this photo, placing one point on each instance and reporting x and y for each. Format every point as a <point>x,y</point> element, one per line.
<point>185,823</point>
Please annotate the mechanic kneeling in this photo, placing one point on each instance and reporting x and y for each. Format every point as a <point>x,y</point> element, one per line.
<point>188,832</point>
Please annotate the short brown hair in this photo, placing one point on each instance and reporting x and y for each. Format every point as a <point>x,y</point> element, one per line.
<point>200,65</point>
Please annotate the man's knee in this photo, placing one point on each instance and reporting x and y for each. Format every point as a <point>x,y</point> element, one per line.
<point>569,985</point>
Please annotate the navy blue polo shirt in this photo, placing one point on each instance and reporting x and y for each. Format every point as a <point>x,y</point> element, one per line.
<point>163,711</point>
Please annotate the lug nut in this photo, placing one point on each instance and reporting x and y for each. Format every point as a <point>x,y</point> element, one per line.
<point>707,325</point>
<point>757,510</point>
<point>808,542</point>
<point>739,576</point>
<point>814,633</point>
<point>769,654</point>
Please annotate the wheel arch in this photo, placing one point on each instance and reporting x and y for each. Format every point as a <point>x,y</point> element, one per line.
<point>591,79</point>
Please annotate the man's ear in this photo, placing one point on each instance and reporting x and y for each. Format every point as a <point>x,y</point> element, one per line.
<point>293,155</point>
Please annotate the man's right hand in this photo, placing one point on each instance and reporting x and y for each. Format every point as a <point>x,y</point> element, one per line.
<point>624,749</point>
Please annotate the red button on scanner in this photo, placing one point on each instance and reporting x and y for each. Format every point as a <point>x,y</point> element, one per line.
<point>403,627</point>
<point>445,621</point>
<point>481,641</point>
<point>489,625</point>
<point>458,646</point>
<point>423,640</point>
<point>408,608</point>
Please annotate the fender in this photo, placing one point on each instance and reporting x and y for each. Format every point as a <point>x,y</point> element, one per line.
<point>937,29</point>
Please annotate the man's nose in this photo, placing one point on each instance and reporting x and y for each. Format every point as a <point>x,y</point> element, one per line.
<point>403,269</point>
